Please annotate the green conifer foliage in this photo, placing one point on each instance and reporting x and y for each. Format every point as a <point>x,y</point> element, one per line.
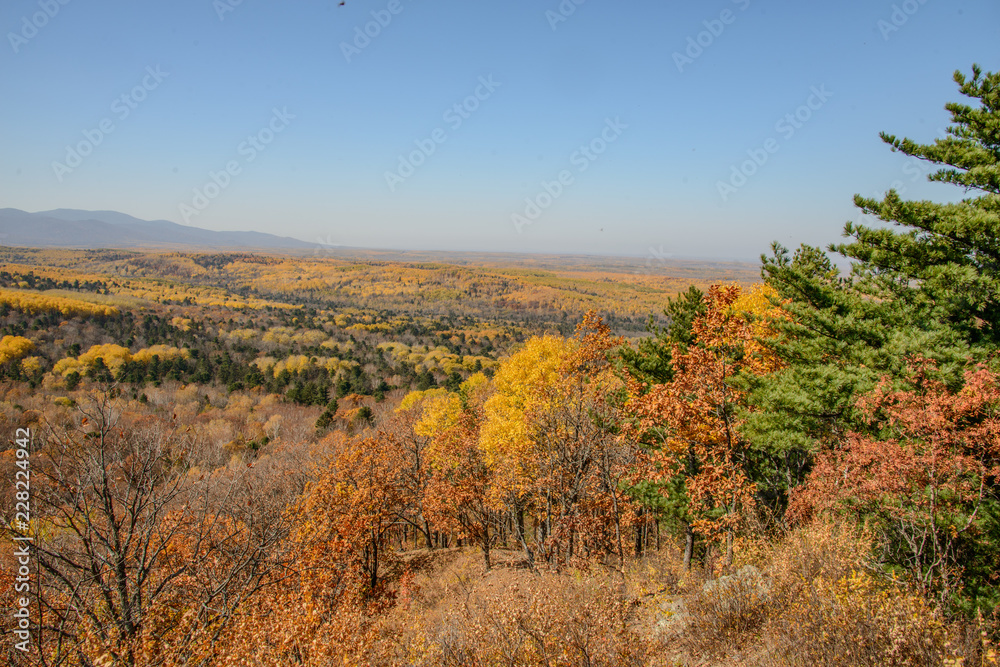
<point>927,283</point>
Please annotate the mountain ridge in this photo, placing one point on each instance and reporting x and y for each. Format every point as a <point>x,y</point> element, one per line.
<point>78,228</point>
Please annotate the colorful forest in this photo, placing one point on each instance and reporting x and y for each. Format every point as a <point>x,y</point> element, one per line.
<point>248,459</point>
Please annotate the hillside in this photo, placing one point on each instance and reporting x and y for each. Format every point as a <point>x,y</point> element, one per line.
<point>339,326</point>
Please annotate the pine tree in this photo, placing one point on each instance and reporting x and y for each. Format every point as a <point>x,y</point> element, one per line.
<point>324,420</point>
<point>72,380</point>
<point>651,360</point>
<point>929,284</point>
<point>948,259</point>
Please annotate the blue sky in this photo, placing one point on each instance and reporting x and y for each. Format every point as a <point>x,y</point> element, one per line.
<point>596,127</point>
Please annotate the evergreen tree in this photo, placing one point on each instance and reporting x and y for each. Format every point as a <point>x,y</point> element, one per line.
<point>324,420</point>
<point>254,377</point>
<point>153,372</point>
<point>929,285</point>
<point>203,372</point>
<point>100,372</point>
<point>425,380</point>
<point>72,380</point>
<point>651,361</point>
<point>322,393</point>
<point>452,382</point>
<point>364,415</point>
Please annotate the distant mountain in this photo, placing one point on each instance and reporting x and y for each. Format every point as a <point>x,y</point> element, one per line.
<point>72,228</point>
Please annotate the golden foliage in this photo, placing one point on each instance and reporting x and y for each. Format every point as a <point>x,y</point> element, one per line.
<point>35,302</point>
<point>296,363</point>
<point>31,365</point>
<point>66,366</point>
<point>14,347</point>
<point>164,352</point>
<point>114,356</point>
<point>182,323</point>
<point>435,359</point>
<point>523,386</point>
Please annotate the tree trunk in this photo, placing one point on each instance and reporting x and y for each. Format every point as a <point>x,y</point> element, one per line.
<point>688,545</point>
<point>729,549</point>
<point>639,535</point>
<point>528,553</point>
<point>486,542</point>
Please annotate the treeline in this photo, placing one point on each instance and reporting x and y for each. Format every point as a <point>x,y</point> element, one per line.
<point>244,349</point>
<point>30,281</point>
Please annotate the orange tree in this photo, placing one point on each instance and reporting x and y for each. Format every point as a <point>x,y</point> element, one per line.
<point>926,477</point>
<point>415,471</point>
<point>691,422</point>
<point>325,607</point>
<point>345,517</point>
<point>459,484</point>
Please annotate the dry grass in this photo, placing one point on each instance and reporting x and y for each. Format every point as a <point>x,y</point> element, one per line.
<point>813,599</point>
<point>817,600</point>
<point>458,614</point>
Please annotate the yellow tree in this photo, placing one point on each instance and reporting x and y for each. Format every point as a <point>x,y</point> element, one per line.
<point>588,464</point>
<point>523,388</point>
<point>14,347</point>
<point>458,496</point>
<point>551,438</point>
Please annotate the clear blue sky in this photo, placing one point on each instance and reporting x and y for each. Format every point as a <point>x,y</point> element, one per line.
<point>673,129</point>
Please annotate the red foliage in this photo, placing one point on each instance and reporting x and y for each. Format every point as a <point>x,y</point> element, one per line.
<point>924,476</point>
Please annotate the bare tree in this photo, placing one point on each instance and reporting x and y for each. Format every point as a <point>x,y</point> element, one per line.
<point>136,550</point>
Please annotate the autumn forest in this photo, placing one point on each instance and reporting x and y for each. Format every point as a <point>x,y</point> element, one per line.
<point>253,458</point>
